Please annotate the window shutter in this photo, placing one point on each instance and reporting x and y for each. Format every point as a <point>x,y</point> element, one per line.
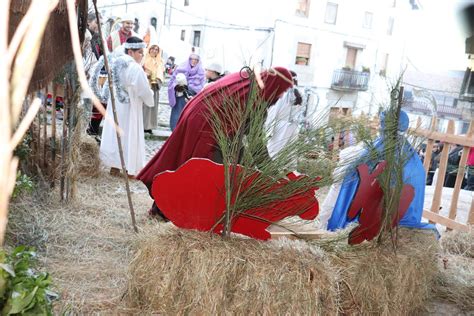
<point>303,50</point>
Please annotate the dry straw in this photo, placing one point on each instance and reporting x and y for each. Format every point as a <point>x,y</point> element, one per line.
<point>180,271</point>
<point>85,244</point>
<point>192,272</point>
<point>455,283</point>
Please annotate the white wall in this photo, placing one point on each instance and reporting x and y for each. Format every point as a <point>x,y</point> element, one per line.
<point>229,36</point>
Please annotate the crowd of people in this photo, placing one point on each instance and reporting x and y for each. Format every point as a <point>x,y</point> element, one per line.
<point>454,157</point>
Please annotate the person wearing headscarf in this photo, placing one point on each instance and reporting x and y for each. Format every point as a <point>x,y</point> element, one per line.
<point>194,136</point>
<point>213,73</point>
<point>195,80</point>
<point>154,69</point>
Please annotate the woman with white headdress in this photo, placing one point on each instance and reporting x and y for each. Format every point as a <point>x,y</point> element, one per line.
<point>154,69</point>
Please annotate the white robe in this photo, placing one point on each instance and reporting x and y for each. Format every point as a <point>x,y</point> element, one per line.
<point>346,155</point>
<point>282,123</point>
<point>130,119</point>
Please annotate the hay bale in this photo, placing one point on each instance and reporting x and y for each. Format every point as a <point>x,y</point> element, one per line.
<point>380,281</point>
<point>458,243</point>
<point>88,161</point>
<point>179,271</point>
<point>455,282</point>
<point>192,272</point>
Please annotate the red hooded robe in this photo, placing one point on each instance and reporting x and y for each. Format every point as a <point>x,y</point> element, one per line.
<point>193,136</point>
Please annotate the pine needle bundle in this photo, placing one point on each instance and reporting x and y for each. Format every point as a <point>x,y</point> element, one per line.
<point>253,180</point>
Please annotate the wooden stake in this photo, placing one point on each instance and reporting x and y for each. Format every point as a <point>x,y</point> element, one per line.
<point>441,172</point>
<point>45,131</point>
<point>460,177</point>
<point>53,135</point>
<point>119,140</point>
<point>64,144</point>
<point>38,138</point>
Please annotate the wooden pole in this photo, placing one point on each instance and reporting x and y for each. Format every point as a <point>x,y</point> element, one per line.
<point>45,131</point>
<point>119,140</point>
<point>7,165</point>
<point>64,144</point>
<point>443,163</point>
<point>38,138</point>
<point>459,177</point>
<point>53,135</point>
<point>71,119</point>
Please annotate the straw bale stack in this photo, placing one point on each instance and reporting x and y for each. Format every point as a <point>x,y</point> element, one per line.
<point>180,271</point>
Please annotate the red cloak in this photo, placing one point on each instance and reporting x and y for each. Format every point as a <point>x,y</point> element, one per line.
<point>193,136</point>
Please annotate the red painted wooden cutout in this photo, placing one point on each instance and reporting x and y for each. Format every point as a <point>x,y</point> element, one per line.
<point>193,197</point>
<point>368,203</point>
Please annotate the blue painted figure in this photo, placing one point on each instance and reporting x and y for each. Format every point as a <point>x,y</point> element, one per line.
<point>413,174</point>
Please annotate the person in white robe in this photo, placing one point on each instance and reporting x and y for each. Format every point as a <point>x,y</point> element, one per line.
<point>131,91</point>
<point>282,123</point>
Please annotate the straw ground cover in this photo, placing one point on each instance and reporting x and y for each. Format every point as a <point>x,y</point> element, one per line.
<point>455,282</point>
<point>84,244</point>
<point>94,258</point>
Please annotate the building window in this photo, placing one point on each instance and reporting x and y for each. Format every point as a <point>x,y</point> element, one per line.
<point>186,3</point>
<point>391,21</point>
<point>383,69</point>
<point>351,58</point>
<point>368,17</point>
<point>465,127</point>
<point>331,13</point>
<point>183,34</point>
<point>303,52</point>
<point>303,8</point>
<point>196,38</point>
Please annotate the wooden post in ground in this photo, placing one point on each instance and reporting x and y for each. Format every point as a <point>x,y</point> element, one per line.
<point>443,164</point>
<point>460,176</point>
<point>470,219</point>
<point>38,138</point>
<point>53,135</point>
<point>119,140</point>
<point>45,131</point>
<point>64,144</point>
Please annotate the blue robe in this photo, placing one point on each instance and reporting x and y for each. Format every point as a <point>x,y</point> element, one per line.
<point>413,174</point>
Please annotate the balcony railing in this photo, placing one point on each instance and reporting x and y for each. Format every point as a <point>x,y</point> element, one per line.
<point>428,109</point>
<point>350,80</point>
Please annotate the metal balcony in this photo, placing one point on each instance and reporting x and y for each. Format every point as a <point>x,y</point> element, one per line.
<point>350,80</point>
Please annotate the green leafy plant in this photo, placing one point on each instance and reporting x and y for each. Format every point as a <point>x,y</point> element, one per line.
<point>23,290</point>
<point>23,184</point>
<point>23,150</point>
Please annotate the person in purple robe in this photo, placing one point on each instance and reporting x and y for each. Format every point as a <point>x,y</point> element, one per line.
<point>180,90</point>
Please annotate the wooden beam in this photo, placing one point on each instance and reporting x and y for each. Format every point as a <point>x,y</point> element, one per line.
<point>442,137</point>
<point>439,219</point>
<point>296,231</point>
<point>296,235</point>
